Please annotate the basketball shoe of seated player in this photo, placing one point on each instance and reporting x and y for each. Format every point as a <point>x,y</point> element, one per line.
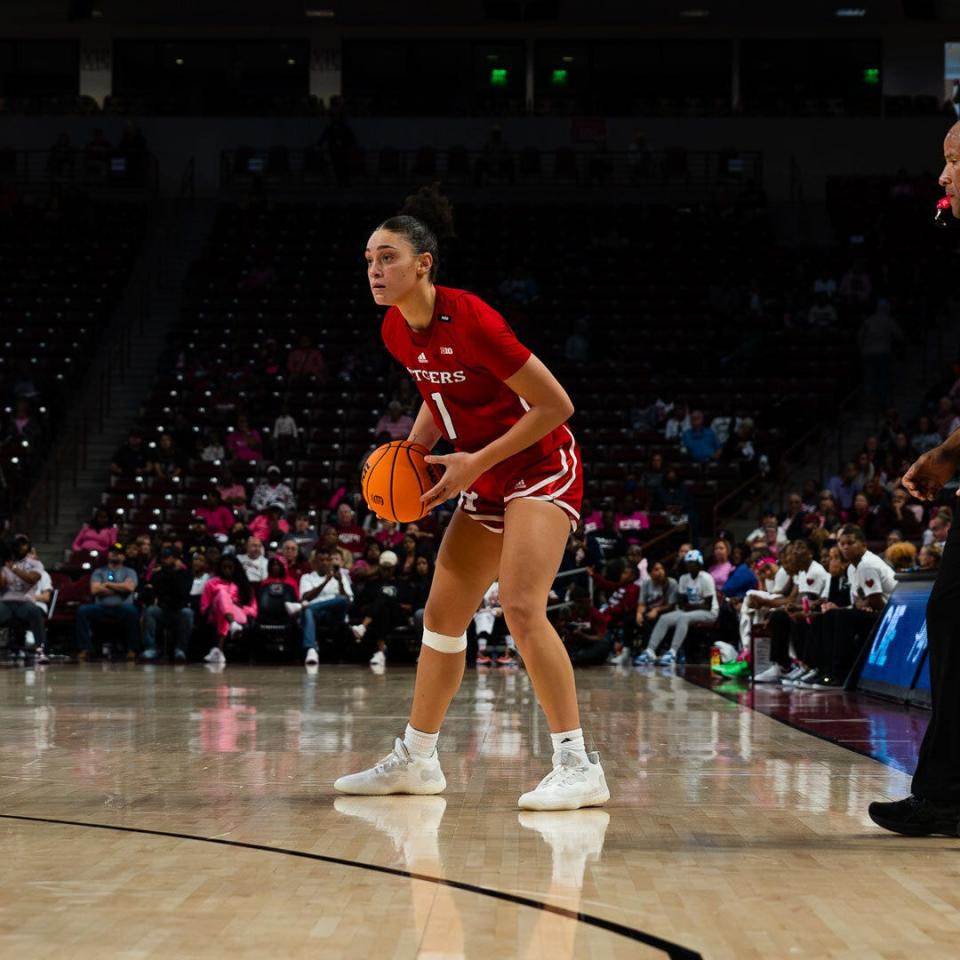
<point>400,771</point>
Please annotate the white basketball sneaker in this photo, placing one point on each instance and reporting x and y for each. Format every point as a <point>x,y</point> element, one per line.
<point>570,785</point>
<point>772,674</point>
<point>398,772</point>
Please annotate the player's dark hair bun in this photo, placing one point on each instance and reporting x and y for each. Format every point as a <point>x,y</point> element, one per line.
<point>431,208</point>
<point>425,219</point>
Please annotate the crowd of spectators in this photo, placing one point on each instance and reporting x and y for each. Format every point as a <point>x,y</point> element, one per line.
<point>337,592</point>
<point>850,535</point>
<point>193,477</point>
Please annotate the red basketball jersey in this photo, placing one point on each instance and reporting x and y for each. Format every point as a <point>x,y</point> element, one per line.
<point>459,364</point>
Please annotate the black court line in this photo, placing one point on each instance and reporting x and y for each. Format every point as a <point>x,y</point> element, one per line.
<point>672,950</point>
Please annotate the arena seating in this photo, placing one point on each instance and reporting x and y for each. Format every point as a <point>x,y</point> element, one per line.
<point>644,286</point>
<point>65,261</point>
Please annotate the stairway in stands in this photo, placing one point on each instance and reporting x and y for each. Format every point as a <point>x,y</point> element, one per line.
<point>178,240</point>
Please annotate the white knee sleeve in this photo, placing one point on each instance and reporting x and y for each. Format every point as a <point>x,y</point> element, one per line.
<point>438,641</point>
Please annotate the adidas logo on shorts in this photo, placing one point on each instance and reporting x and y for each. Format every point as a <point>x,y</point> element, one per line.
<point>520,485</point>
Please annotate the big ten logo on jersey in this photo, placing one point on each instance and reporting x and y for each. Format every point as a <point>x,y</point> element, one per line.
<point>438,376</point>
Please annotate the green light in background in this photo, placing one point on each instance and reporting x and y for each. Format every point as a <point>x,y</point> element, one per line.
<point>498,77</point>
<point>559,78</point>
<point>871,76</point>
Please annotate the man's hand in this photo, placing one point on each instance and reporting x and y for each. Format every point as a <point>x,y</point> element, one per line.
<point>928,475</point>
<point>828,606</point>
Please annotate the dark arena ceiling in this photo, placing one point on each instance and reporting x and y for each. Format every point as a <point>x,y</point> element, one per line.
<point>371,13</point>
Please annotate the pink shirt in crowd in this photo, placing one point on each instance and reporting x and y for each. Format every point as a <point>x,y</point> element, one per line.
<point>593,522</point>
<point>260,527</point>
<point>398,429</point>
<point>627,524</point>
<point>721,573</point>
<point>388,540</point>
<point>219,520</point>
<point>239,448</point>
<point>91,539</point>
<point>234,491</point>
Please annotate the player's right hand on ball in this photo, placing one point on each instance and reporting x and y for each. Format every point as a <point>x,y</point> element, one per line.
<point>926,478</point>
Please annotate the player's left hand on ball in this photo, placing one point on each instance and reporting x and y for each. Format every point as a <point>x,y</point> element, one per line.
<point>459,472</point>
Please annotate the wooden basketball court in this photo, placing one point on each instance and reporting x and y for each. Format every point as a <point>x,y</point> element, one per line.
<point>160,812</point>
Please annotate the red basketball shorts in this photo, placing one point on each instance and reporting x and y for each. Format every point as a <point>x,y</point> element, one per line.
<point>557,477</point>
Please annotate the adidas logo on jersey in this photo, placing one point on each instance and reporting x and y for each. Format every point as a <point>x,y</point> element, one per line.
<point>422,358</point>
<point>447,350</point>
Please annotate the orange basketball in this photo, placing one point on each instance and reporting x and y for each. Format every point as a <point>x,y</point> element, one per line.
<point>394,478</point>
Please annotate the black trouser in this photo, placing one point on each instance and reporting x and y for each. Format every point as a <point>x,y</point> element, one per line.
<point>780,624</point>
<point>805,638</point>
<point>27,613</point>
<point>937,776</point>
<point>385,613</point>
<point>846,632</point>
<point>590,654</point>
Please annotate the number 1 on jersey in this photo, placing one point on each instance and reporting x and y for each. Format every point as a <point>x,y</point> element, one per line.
<point>445,415</point>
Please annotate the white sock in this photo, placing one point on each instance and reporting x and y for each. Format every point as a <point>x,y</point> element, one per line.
<point>420,744</point>
<point>569,740</point>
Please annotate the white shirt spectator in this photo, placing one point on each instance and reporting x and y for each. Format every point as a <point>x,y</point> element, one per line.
<point>285,426</point>
<point>699,588</point>
<point>310,581</point>
<point>722,426</point>
<point>254,567</point>
<point>814,579</point>
<point>870,576</point>
<point>196,588</point>
<point>780,584</point>
<point>267,493</point>
<point>213,452</point>
<point>675,426</point>
<point>14,588</point>
<point>651,594</point>
<point>43,585</point>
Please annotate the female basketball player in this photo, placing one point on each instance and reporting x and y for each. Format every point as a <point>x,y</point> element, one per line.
<point>517,471</point>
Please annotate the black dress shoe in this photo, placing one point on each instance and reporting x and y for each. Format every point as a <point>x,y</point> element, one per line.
<point>915,817</point>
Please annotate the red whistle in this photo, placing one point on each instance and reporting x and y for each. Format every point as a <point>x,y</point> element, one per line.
<point>941,217</point>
